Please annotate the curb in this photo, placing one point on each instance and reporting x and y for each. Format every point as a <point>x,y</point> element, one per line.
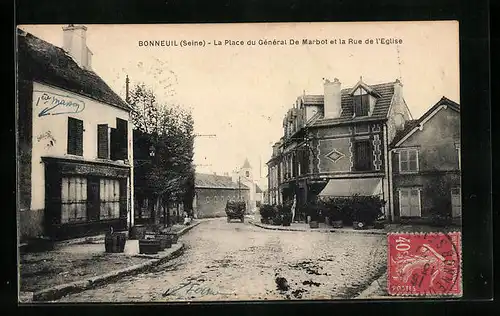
<point>373,291</point>
<point>187,228</point>
<point>59,291</point>
<point>320,230</point>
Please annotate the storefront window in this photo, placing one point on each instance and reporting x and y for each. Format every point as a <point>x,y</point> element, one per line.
<point>73,199</point>
<point>110,198</point>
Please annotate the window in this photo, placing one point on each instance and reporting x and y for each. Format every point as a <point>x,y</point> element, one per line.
<point>363,155</point>
<point>102,141</point>
<point>408,160</point>
<point>109,192</point>
<point>247,173</point>
<point>119,140</point>
<point>361,103</point>
<point>75,136</point>
<point>409,202</point>
<point>456,202</point>
<point>73,199</point>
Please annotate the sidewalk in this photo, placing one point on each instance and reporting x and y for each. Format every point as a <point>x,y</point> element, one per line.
<point>323,228</point>
<point>75,267</point>
<point>390,228</point>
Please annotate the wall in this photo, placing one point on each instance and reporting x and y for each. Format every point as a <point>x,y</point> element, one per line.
<point>436,142</point>
<point>437,158</point>
<point>428,198</point>
<point>50,131</point>
<point>212,202</point>
<point>397,108</point>
<point>311,110</point>
<point>336,151</point>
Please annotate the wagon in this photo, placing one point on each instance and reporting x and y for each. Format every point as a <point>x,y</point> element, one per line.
<point>235,210</point>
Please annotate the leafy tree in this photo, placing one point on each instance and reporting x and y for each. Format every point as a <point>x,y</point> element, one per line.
<point>169,174</point>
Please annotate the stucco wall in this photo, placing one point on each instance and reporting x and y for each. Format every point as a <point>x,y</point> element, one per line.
<point>50,131</point>
<point>427,183</point>
<point>437,159</point>
<point>30,224</point>
<point>436,141</point>
<point>212,202</point>
<point>328,148</point>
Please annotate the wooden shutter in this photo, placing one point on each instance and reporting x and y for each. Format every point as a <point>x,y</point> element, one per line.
<point>122,138</point>
<point>102,141</point>
<point>114,144</point>
<point>403,161</point>
<point>404,203</point>
<point>357,105</point>
<point>412,160</point>
<point>456,202</point>
<point>363,156</point>
<point>414,203</point>
<point>365,104</point>
<point>75,136</point>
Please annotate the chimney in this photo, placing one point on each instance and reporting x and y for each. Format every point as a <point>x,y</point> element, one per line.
<point>332,99</point>
<point>234,176</point>
<point>75,44</point>
<point>398,92</point>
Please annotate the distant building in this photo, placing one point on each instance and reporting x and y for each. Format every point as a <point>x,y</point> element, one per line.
<point>426,165</point>
<point>245,175</point>
<point>212,192</point>
<point>74,142</point>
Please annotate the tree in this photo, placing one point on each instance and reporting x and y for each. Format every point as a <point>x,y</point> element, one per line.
<point>169,175</point>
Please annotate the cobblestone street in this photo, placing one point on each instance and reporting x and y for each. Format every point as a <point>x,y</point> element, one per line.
<point>238,261</point>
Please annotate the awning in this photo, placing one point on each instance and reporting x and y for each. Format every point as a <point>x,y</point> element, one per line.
<point>349,187</point>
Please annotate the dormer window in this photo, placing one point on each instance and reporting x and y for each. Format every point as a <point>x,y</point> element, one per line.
<point>361,102</point>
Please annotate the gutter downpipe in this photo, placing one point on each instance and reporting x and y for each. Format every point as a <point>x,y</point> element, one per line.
<point>389,176</point>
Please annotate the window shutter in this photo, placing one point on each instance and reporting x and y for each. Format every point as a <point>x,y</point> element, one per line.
<point>363,156</point>
<point>412,160</point>
<point>414,203</point>
<point>403,156</point>
<point>114,144</point>
<point>365,104</point>
<point>75,136</point>
<point>357,105</point>
<point>122,138</point>
<point>404,204</point>
<point>102,141</point>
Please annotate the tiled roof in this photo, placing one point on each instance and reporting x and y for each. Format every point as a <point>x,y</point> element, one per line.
<point>386,91</point>
<point>47,63</point>
<point>411,124</point>
<point>203,180</point>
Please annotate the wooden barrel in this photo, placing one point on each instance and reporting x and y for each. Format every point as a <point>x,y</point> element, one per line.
<point>149,246</point>
<point>137,232</point>
<point>115,242</point>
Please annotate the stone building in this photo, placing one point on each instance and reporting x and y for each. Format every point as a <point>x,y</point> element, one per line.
<point>425,165</point>
<point>74,142</point>
<point>337,143</point>
<point>212,192</point>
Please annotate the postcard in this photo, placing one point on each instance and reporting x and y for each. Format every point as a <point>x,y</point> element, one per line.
<point>239,162</point>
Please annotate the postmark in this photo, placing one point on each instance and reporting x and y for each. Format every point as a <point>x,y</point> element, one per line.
<point>425,264</point>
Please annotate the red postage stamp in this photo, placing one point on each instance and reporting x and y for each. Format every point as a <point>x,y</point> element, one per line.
<point>425,264</point>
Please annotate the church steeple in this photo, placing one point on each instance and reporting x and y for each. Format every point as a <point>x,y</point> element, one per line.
<point>246,164</point>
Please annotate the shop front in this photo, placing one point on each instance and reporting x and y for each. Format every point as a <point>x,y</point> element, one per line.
<point>84,198</point>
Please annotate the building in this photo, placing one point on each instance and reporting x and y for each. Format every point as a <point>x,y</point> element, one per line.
<point>245,175</point>
<point>337,143</point>
<point>74,142</point>
<point>426,165</point>
<point>212,192</point>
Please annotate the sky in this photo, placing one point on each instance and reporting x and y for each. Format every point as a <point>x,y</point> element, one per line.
<point>240,93</point>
